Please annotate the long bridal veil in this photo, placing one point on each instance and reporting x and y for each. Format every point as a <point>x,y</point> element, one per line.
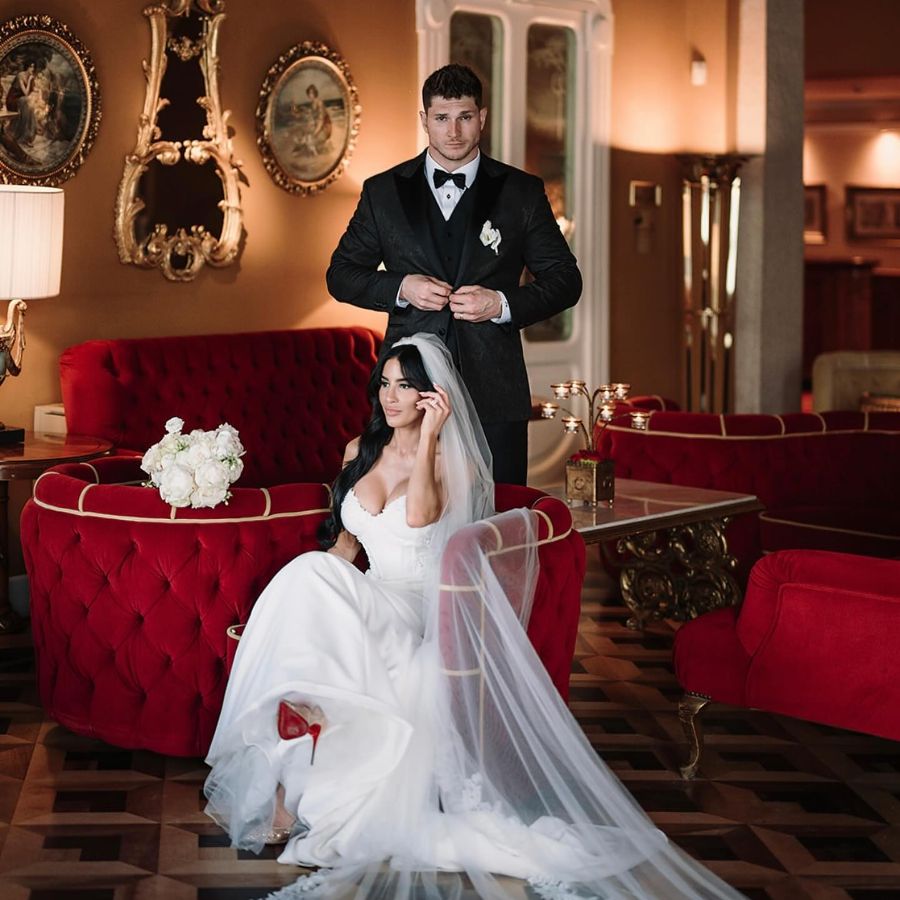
<point>501,794</point>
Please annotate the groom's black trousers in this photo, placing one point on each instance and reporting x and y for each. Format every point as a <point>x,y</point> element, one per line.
<point>509,448</point>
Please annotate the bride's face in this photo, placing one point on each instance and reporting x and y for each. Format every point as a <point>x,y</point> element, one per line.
<point>398,397</point>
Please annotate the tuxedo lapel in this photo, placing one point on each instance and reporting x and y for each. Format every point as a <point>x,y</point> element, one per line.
<point>488,184</point>
<point>414,195</point>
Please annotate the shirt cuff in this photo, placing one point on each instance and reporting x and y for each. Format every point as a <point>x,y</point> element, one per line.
<point>505,315</point>
<point>397,301</point>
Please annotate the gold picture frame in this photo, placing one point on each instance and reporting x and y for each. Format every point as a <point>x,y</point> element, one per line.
<point>815,213</point>
<point>873,214</point>
<point>307,119</point>
<point>49,101</point>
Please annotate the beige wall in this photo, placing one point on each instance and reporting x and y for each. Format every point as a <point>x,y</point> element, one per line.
<point>656,113</point>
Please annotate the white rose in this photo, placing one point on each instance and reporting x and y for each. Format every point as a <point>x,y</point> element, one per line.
<point>198,453</point>
<point>174,425</point>
<point>152,460</point>
<point>235,467</point>
<point>208,497</point>
<point>176,486</point>
<point>212,474</point>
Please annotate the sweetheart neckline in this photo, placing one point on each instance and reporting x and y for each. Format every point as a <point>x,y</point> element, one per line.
<point>383,508</point>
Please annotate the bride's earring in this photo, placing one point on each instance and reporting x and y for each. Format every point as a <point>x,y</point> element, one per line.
<point>296,720</point>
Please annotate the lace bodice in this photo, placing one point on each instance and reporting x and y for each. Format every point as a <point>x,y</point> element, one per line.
<point>396,551</point>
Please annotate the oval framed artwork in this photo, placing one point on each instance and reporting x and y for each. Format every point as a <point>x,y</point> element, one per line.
<point>307,120</point>
<point>49,101</point>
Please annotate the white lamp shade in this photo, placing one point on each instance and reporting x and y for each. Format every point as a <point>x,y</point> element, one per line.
<point>31,239</point>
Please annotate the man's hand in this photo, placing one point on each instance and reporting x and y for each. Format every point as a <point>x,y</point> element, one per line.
<point>474,303</point>
<point>425,292</point>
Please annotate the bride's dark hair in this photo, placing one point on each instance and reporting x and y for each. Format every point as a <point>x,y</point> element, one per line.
<point>375,435</point>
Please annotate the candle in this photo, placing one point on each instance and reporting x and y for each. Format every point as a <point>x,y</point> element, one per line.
<point>607,411</point>
<point>621,390</point>
<point>639,420</point>
<point>571,424</point>
<point>560,390</point>
<point>549,410</point>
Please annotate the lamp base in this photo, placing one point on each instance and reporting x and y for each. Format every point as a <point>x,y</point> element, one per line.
<point>11,435</point>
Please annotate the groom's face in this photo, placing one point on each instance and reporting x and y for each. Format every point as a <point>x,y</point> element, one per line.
<point>454,129</point>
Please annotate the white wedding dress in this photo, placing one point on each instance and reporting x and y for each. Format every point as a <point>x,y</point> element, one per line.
<point>449,766</point>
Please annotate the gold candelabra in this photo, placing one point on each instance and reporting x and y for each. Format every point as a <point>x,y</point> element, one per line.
<point>590,479</point>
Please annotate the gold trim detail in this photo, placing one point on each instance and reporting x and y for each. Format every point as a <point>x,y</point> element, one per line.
<point>751,437</point>
<point>305,53</point>
<point>182,255</point>
<point>21,29</point>
<point>874,534</point>
<point>677,573</point>
<point>689,708</point>
<point>84,490</point>
<point>229,521</point>
<point>268,497</point>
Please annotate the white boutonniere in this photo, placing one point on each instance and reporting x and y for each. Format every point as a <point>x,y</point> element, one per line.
<point>490,237</point>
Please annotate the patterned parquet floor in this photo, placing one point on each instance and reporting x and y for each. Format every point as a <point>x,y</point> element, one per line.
<point>783,809</point>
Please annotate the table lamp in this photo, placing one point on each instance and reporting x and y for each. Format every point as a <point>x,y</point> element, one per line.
<point>31,239</point>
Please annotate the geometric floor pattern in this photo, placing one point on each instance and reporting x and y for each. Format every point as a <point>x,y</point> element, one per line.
<point>781,809</point>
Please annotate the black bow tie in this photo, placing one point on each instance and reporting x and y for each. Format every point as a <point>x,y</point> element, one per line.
<point>441,178</point>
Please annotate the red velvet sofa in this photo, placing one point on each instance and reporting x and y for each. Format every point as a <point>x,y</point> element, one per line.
<point>828,481</point>
<point>297,397</point>
<point>815,638</point>
<point>131,599</point>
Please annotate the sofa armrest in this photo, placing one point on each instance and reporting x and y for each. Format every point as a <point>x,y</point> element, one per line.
<point>833,571</point>
<point>830,656</point>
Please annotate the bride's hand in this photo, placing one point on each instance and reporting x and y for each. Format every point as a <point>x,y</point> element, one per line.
<point>436,405</point>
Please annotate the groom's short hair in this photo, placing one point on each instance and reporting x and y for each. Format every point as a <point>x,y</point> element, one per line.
<point>452,82</point>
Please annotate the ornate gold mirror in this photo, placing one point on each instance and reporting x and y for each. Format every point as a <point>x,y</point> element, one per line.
<point>179,202</point>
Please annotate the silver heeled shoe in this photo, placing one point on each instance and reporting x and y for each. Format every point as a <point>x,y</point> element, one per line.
<point>281,834</point>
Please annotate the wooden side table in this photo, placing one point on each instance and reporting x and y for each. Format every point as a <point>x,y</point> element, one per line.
<point>39,452</point>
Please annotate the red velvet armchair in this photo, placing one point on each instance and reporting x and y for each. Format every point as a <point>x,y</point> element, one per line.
<point>815,638</point>
<point>131,599</point>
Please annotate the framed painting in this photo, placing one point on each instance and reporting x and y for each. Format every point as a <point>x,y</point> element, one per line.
<point>49,101</point>
<point>815,209</point>
<point>307,119</point>
<point>873,214</point>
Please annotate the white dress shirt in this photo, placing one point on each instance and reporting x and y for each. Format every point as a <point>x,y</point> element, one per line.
<point>447,196</point>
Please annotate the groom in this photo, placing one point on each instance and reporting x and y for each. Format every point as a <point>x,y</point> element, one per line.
<point>454,230</point>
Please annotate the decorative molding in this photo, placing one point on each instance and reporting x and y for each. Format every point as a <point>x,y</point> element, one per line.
<point>180,256</point>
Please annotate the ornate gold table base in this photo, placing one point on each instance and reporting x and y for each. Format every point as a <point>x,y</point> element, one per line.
<point>677,573</point>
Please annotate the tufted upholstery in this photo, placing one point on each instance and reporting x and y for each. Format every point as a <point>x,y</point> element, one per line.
<point>296,396</point>
<point>130,600</point>
<point>815,638</point>
<point>828,481</point>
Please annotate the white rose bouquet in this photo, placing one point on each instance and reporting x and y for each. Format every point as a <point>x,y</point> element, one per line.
<point>194,469</point>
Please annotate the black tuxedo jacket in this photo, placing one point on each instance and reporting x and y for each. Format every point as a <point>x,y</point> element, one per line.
<point>391,225</point>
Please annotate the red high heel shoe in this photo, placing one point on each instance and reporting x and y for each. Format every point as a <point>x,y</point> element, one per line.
<point>299,719</point>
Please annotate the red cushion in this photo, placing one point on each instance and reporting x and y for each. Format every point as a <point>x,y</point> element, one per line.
<point>709,659</point>
<point>873,531</point>
<point>296,396</point>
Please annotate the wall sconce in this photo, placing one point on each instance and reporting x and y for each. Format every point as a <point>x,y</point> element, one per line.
<point>698,69</point>
<point>31,241</point>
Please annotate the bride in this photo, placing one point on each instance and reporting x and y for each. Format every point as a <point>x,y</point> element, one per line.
<point>347,732</point>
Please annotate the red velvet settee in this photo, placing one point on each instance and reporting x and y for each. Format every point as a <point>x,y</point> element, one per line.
<point>828,481</point>
<point>815,638</point>
<point>131,599</point>
<point>297,397</point>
